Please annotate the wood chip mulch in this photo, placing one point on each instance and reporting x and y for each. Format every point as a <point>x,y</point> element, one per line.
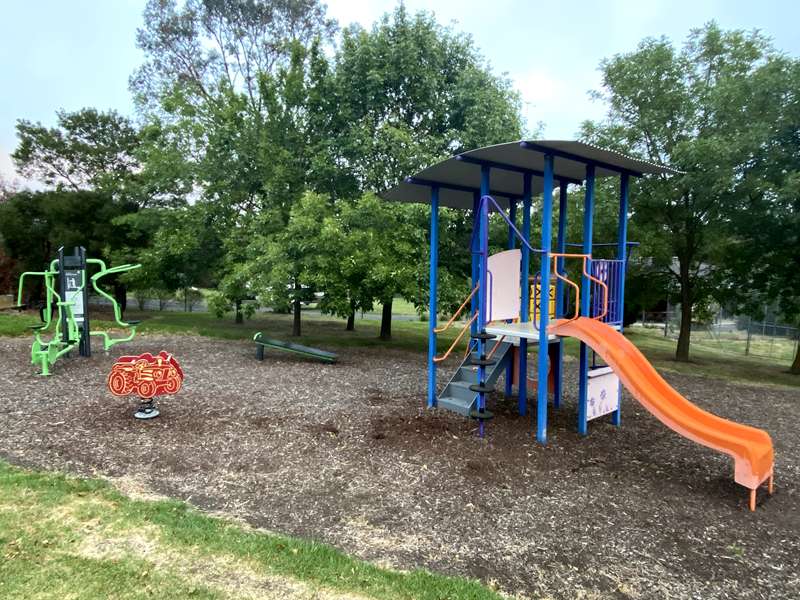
<point>347,454</point>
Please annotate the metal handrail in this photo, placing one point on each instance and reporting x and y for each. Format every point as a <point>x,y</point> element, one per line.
<point>565,279</point>
<point>510,224</point>
<point>496,346</point>
<point>438,359</point>
<point>588,275</point>
<point>447,325</point>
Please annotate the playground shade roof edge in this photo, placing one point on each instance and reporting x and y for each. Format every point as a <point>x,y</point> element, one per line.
<point>458,177</point>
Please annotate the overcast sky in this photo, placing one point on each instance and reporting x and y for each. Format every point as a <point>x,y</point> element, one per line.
<point>75,53</point>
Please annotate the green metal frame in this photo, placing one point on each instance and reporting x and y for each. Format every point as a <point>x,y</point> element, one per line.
<point>108,341</point>
<point>46,352</point>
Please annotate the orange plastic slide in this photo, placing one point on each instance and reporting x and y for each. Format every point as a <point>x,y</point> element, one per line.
<point>750,448</point>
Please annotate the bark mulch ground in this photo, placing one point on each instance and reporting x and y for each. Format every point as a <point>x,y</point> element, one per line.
<point>347,454</point>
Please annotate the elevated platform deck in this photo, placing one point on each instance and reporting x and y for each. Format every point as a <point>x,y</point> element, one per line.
<point>522,330</point>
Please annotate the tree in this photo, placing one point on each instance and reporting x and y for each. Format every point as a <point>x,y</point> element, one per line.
<point>343,260</point>
<point>407,93</point>
<point>184,252</point>
<point>33,225</point>
<point>281,260</point>
<point>761,263</point>
<point>88,149</point>
<point>684,108</point>
<point>410,92</point>
<point>205,46</point>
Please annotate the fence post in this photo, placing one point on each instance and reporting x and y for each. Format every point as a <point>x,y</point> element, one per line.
<point>747,345</point>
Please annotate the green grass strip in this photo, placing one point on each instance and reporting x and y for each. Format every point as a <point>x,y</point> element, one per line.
<point>38,556</point>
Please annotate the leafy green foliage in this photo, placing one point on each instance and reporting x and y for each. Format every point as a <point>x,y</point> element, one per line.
<point>198,47</point>
<point>88,148</point>
<point>684,108</point>
<point>33,225</point>
<point>410,92</point>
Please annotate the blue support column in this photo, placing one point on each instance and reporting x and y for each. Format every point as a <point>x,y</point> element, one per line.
<point>583,376</point>
<point>622,254</point>
<point>544,282</point>
<point>476,198</point>
<point>433,293</point>
<point>561,244</point>
<point>512,216</point>
<point>522,398</point>
<point>483,290</point>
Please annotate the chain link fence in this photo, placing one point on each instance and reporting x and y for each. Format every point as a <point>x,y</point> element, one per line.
<point>736,335</point>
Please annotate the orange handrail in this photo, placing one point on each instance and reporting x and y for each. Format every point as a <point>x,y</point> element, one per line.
<point>496,346</point>
<point>567,280</point>
<point>437,359</point>
<point>447,325</point>
<point>588,275</point>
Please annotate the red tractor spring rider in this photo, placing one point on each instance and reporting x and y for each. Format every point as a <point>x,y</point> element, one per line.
<point>147,376</point>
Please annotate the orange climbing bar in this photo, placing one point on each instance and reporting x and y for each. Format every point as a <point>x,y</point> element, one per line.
<point>585,259</point>
<point>447,325</point>
<point>438,359</point>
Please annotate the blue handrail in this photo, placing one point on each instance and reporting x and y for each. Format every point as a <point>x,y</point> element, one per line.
<point>507,220</point>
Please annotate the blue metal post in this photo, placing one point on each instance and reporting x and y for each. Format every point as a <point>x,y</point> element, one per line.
<point>512,215</point>
<point>558,373</point>
<point>622,254</point>
<point>433,293</point>
<point>476,199</point>
<point>544,283</point>
<point>483,290</point>
<point>583,377</point>
<point>522,399</point>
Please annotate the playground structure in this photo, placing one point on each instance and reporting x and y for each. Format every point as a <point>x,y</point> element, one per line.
<point>307,351</point>
<point>508,311</point>
<point>67,294</point>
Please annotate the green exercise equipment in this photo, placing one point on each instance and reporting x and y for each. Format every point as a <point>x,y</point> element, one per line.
<point>67,295</point>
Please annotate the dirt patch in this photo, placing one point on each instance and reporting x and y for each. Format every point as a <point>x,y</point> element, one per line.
<point>348,454</point>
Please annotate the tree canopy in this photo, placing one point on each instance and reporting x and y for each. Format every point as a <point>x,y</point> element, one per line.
<point>685,107</point>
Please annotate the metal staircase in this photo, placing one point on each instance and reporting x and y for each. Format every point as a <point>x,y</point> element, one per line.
<point>457,395</point>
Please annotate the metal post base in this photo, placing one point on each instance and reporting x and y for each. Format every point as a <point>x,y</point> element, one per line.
<point>146,410</point>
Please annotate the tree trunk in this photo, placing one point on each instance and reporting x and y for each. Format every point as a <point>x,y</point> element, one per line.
<point>684,337</point>
<point>351,321</point>
<point>121,296</point>
<point>386,321</point>
<point>239,319</point>
<point>795,368</point>
<point>297,307</point>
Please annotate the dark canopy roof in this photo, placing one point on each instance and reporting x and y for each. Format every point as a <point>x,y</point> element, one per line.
<point>460,176</point>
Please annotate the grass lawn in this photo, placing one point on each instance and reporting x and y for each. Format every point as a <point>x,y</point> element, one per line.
<point>413,335</point>
<point>710,361</point>
<point>62,537</point>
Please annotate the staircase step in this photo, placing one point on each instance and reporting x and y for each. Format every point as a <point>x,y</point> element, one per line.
<point>460,389</point>
<point>466,373</point>
<point>457,405</point>
<point>457,396</point>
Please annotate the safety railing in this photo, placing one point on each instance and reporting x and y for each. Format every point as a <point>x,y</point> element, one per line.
<point>438,359</point>
<point>610,272</point>
<point>587,272</point>
<point>446,326</point>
